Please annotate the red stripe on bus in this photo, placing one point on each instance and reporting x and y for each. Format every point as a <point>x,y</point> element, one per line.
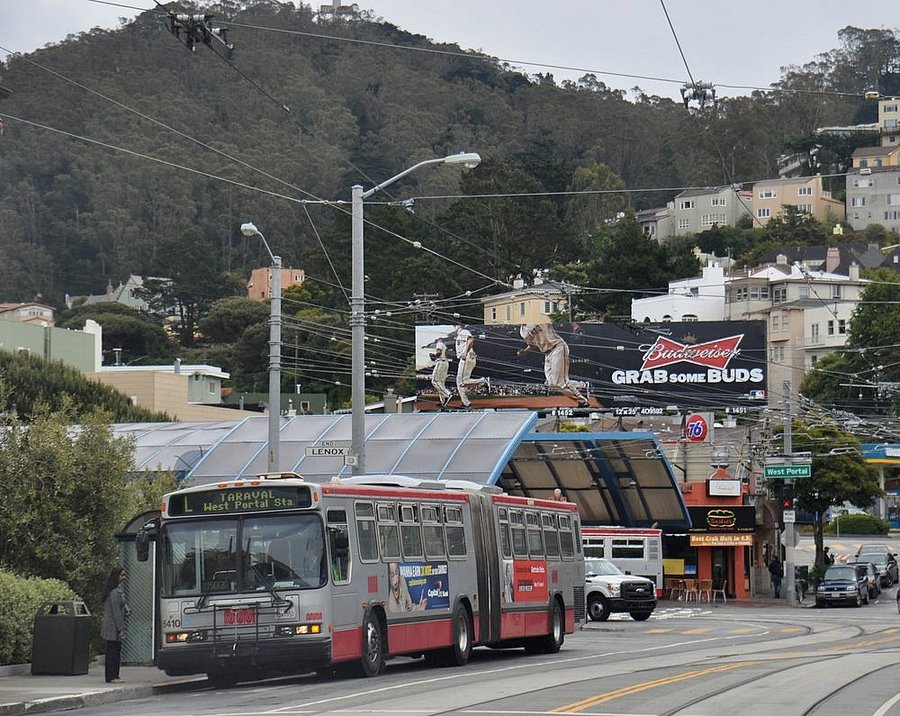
<point>346,644</point>
<point>409,637</point>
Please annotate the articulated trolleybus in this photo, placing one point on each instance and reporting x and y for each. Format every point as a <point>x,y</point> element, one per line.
<point>279,575</point>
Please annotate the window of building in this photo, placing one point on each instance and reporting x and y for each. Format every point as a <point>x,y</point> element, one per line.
<point>684,223</point>
<point>863,163</point>
<point>890,123</point>
<point>548,307</point>
<point>764,213</point>
<point>877,162</point>
<point>857,201</point>
<point>779,295</point>
<point>863,182</point>
<point>814,332</point>
<point>776,323</point>
<point>689,318</point>
<point>741,293</point>
<point>842,327</point>
<point>507,313</point>
<point>522,308</point>
<point>890,108</point>
<point>804,208</point>
<point>494,313</point>
<point>893,199</point>
<point>764,293</point>
<point>768,194</point>
<point>803,292</point>
<point>649,230</point>
<point>835,291</point>
<point>754,293</point>
<point>686,205</point>
<point>892,216</point>
<point>785,321</point>
<point>830,328</point>
<point>718,201</point>
<point>804,191</point>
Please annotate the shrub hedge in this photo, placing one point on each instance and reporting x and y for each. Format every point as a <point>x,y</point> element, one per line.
<point>20,601</point>
<point>859,525</point>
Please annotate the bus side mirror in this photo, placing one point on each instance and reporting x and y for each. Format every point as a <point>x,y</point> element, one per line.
<point>142,545</point>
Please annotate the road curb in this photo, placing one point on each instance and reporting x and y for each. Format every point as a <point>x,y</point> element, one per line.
<point>98,698</point>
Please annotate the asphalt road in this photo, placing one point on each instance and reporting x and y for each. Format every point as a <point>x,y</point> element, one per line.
<point>698,660</point>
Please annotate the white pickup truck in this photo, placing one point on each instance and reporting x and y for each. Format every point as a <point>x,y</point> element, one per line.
<point>609,590</point>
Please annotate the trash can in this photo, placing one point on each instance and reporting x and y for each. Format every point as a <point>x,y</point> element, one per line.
<point>62,638</point>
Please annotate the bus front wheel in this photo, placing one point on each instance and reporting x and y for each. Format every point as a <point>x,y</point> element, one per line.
<point>373,645</point>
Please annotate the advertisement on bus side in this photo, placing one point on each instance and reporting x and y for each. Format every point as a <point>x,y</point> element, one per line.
<point>529,580</point>
<point>418,586</point>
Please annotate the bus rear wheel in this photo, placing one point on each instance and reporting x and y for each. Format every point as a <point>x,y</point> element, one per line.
<point>552,642</point>
<point>373,645</point>
<point>222,678</point>
<point>459,653</point>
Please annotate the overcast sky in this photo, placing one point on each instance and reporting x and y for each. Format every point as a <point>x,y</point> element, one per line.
<point>724,42</point>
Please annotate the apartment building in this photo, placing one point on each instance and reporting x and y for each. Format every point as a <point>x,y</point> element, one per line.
<point>873,195</point>
<point>259,287</point>
<point>696,210</point>
<point>691,299</point>
<point>805,194</point>
<point>658,223</point>
<point>527,304</point>
<point>889,121</point>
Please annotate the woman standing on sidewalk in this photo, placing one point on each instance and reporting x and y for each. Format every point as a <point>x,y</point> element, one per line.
<point>115,609</point>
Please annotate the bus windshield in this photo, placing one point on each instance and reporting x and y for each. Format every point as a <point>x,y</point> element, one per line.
<point>252,553</point>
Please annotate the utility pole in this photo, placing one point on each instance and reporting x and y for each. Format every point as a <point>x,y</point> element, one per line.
<point>789,534</point>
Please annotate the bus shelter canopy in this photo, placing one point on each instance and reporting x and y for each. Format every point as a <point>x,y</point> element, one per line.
<point>615,478</point>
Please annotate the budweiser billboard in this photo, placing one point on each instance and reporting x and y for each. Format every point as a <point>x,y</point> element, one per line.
<point>624,368</point>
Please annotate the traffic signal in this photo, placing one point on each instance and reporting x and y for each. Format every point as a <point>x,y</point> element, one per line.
<point>787,497</point>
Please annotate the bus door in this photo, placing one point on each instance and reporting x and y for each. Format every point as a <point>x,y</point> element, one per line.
<point>342,568</point>
<point>487,570</point>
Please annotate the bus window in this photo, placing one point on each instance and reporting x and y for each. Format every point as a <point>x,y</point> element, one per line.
<point>577,527</point>
<point>410,534</point>
<point>594,548</point>
<point>433,532</point>
<point>388,532</point>
<point>628,548</point>
<point>456,533</point>
<point>517,527</point>
<point>339,545</point>
<point>505,547</point>
<point>551,538</point>
<point>566,543</point>
<point>535,544</point>
<point>365,532</point>
<point>284,552</point>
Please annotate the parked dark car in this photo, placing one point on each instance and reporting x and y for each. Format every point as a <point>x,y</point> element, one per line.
<point>872,577</point>
<point>843,584</point>
<point>884,560</point>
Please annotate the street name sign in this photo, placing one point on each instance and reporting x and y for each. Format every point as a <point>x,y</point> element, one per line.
<point>786,471</point>
<point>327,448</point>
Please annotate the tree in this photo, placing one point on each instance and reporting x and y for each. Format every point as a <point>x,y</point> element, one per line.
<point>140,337</point>
<point>839,474</point>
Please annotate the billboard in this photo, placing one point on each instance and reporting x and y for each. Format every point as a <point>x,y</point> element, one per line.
<point>625,369</point>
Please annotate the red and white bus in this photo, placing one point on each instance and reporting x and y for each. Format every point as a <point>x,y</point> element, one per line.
<point>634,550</point>
<point>280,575</point>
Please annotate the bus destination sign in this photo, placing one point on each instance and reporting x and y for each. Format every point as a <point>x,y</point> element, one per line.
<point>239,499</point>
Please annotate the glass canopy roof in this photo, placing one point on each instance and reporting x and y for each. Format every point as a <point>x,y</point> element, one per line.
<point>615,478</point>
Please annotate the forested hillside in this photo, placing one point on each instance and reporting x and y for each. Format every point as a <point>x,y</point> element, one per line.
<point>209,145</point>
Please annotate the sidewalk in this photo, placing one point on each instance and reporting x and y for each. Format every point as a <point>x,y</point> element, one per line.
<point>22,693</point>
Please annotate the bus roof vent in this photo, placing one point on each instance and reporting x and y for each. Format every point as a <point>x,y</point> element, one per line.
<point>279,476</point>
<point>474,487</point>
<point>395,481</point>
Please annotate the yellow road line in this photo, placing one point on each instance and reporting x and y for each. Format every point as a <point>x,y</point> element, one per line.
<point>638,688</point>
<point>743,630</point>
<point>658,631</point>
<point>701,630</point>
<point>791,630</point>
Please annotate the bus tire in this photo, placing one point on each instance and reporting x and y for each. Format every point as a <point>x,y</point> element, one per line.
<point>459,653</point>
<point>222,679</point>
<point>598,608</point>
<point>640,616</point>
<point>373,644</point>
<point>552,642</point>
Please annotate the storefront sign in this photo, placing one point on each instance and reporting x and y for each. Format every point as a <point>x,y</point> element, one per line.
<point>737,540</point>
<point>723,488</point>
<point>722,519</point>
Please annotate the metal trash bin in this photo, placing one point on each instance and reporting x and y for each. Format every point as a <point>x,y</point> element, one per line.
<point>62,638</point>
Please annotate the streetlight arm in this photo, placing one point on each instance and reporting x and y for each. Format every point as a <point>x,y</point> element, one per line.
<point>249,229</point>
<point>469,159</point>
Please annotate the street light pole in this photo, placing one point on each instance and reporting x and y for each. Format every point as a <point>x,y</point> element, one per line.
<point>357,460</point>
<point>249,229</point>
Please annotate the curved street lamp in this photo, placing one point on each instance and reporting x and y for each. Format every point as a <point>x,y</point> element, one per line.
<point>249,229</point>
<point>357,456</point>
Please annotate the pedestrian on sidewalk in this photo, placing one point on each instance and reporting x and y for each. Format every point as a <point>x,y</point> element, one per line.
<point>777,572</point>
<point>115,610</point>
